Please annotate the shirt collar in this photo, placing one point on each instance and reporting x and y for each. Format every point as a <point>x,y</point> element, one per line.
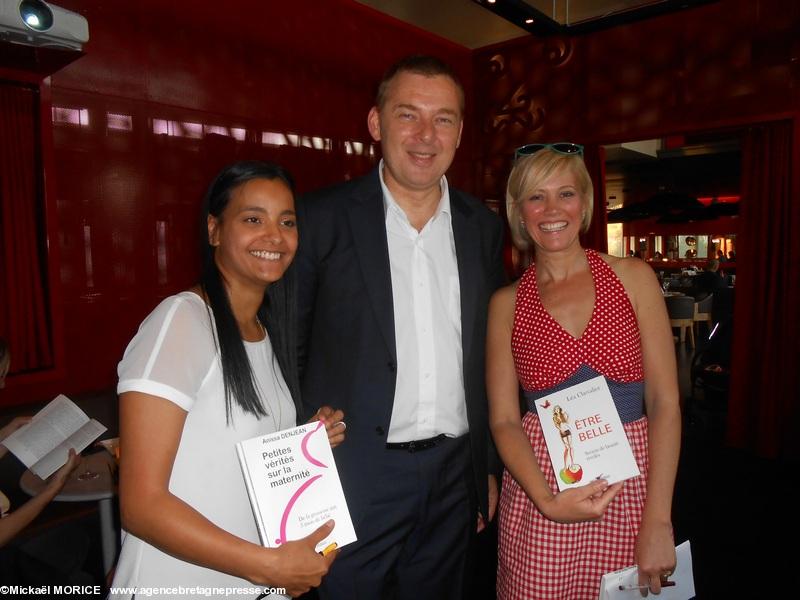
<point>390,204</point>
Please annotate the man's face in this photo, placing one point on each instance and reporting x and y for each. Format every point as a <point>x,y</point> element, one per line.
<point>419,128</point>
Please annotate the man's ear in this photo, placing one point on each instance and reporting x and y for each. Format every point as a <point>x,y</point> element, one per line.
<point>374,123</point>
<point>213,231</point>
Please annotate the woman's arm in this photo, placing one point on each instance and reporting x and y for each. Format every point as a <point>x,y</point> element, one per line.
<point>578,504</point>
<point>10,428</point>
<point>655,547</point>
<point>150,431</point>
<point>17,520</point>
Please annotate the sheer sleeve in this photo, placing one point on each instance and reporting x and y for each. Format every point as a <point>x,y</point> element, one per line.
<point>172,353</point>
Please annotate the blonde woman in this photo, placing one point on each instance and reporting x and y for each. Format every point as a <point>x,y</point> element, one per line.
<point>573,315</point>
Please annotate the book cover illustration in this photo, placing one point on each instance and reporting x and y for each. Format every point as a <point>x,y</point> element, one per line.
<point>584,435</point>
<point>294,486</point>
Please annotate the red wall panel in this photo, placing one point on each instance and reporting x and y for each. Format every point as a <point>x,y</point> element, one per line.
<point>168,93</point>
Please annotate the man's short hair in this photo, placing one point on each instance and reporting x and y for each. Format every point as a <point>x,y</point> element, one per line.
<point>418,64</point>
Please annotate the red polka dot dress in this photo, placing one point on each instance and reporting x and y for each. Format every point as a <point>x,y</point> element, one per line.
<point>539,559</point>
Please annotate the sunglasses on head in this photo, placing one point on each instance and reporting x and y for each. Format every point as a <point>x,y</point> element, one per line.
<point>560,147</point>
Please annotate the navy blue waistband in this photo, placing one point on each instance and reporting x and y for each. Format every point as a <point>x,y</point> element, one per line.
<point>628,396</point>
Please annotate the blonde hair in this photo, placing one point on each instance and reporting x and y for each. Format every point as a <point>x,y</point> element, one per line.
<point>559,416</point>
<point>528,173</point>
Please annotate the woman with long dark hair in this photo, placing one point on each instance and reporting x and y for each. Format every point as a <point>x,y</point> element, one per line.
<point>209,367</point>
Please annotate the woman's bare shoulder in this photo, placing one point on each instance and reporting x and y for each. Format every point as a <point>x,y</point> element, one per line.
<point>506,294</point>
<point>632,272</point>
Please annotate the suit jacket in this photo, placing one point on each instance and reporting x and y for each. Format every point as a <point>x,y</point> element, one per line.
<point>347,353</point>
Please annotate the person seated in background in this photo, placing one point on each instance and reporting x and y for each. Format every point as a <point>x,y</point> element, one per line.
<point>709,281</point>
<point>12,523</point>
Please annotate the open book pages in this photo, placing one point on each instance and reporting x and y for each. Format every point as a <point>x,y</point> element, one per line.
<point>43,444</point>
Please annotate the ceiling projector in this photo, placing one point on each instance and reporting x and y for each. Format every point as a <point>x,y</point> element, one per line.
<point>37,23</point>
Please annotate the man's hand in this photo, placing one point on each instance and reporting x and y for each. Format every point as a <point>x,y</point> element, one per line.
<point>494,495</point>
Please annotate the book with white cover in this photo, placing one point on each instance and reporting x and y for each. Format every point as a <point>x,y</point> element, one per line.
<point>294,486</point>
<point>584,435</point>
<point>43,444</point>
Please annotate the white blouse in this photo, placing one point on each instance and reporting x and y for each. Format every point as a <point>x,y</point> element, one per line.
<point>173,356</point>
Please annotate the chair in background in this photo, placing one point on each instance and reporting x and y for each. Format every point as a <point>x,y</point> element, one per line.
<point>681,315</point>
<point>702,313</point>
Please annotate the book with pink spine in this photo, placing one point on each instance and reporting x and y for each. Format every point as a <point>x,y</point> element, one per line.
<point>294,486</point>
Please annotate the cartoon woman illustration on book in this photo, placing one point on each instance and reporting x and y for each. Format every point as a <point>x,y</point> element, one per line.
<point>572,472</point>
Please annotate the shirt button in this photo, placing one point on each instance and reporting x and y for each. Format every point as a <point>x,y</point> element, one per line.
<point>379,430</point>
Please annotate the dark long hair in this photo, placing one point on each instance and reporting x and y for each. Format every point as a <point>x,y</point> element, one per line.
<point>277,311</point>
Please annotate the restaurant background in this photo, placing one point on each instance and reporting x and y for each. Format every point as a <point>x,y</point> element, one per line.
<point>168,92</point>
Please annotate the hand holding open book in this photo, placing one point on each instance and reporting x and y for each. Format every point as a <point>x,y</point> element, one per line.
<point>44,443</point>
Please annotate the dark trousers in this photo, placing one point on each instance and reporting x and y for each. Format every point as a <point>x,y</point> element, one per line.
<point>414,536</point>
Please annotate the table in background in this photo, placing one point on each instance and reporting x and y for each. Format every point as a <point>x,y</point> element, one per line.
<point>101,489</point>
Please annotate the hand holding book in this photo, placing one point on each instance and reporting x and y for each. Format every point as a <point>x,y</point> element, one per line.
<point>44,442</point>
<point>583,503</point>
<point>298,567</point>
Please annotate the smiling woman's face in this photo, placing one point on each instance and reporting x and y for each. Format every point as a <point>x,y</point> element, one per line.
<point>553,212</point>
<point>255,237</point>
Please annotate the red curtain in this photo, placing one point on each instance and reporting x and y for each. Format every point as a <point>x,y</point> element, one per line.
<point>23,316</point>
<point>765,395</point>
<point>597,237</point>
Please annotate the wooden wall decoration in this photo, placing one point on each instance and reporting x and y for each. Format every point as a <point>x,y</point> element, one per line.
<point>720,65</point>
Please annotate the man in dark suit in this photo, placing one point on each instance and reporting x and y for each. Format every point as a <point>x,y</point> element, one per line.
<point>395,272</point>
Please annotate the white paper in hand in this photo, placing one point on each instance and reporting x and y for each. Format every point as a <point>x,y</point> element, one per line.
<point>628,580</point>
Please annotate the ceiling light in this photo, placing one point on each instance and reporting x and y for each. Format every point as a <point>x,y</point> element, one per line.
<point>529,21</point>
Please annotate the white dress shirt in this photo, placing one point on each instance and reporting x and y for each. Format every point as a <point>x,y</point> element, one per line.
<point>429,395</point>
